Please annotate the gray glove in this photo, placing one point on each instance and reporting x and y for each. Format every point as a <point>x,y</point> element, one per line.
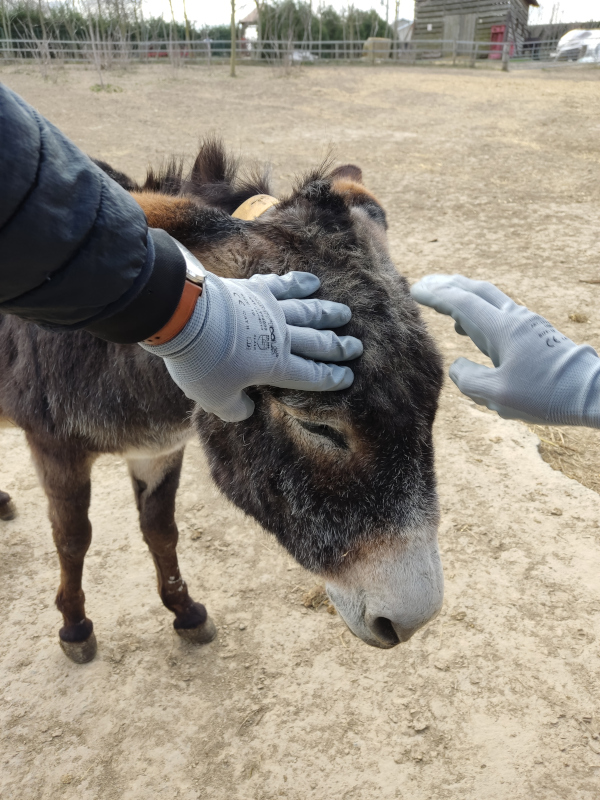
<point>540,376</point>
<point>251,332</point>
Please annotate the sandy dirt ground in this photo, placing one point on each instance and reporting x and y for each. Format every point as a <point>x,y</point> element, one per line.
<point>492,175</point>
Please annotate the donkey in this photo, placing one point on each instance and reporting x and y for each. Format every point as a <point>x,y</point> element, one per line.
<point>344,480</point>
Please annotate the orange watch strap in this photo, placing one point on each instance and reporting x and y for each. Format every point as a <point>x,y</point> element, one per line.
<point>181,315</point>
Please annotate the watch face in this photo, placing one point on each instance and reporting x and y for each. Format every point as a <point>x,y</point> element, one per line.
<point>193,268</point>
<point>194,272</point>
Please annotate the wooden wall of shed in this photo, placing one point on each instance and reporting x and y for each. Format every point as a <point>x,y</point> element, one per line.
<point>488,12</point>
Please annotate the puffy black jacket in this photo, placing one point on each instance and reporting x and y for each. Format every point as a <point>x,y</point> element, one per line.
<point>75,249</point>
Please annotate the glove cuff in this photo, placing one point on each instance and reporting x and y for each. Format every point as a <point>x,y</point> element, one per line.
<point>209,333</point>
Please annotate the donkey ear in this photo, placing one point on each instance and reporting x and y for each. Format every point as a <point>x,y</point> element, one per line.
<point>346,182</point>
<point>120,177</point>
<point>349,172</point>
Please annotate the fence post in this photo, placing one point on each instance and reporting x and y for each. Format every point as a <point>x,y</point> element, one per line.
<point>506,56</point>
<point>233,39</point>
<point>474,51</point>
<point>454,53</point>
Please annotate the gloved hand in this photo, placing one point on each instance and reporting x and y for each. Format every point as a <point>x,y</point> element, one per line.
<point>540,376</point>
<point>251,332</point>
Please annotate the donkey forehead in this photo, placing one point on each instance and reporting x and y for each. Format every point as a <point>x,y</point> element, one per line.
<point>399,375</point>
<point>324,206</point>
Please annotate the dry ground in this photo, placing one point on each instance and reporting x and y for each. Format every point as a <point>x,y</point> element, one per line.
<point>492,175</point>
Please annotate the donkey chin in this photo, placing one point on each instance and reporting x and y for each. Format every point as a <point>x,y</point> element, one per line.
<point>392,589</point>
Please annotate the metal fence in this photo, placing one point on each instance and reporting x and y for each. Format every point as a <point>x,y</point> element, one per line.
<point>105,53</point>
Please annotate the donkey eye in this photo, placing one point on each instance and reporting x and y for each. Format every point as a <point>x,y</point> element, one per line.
<point>326,432</point>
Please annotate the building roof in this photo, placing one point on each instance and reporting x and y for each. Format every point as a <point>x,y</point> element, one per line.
<point>251,19</point>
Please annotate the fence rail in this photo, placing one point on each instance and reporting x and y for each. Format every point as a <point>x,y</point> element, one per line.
<point>104,52</point>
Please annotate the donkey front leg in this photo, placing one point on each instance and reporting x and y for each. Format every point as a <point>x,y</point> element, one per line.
<point>155,482</point>
<point>64,473</point>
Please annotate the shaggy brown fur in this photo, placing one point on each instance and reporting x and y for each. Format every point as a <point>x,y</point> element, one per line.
<point>327,473</point>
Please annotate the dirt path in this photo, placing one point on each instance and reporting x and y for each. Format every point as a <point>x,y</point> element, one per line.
<point>492,175</point>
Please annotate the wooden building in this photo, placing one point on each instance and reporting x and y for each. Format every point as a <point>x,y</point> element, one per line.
<point>472,20</point>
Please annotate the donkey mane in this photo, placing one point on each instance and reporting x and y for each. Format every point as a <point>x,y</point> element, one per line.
<point>214,179</point>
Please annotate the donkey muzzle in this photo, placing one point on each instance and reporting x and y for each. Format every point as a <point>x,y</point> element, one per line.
<point>393,589</point>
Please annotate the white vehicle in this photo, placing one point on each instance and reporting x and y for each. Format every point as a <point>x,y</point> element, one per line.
<point>299,56</point>
<point>579,45</point>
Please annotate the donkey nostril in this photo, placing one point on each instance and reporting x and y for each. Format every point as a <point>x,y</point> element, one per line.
<point>384,630</point>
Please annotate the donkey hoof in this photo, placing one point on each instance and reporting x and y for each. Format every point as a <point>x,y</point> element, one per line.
<point>80,652</point>
<point>202,634</point>
<point>78,641</point>
<point>7,511</point>
<point>7,507</point>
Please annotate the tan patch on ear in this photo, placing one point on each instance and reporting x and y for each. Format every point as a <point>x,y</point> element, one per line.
<point>351,190</point>
<point>164,211</point>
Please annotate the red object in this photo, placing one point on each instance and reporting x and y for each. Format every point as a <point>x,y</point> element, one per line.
<point>497,39</point>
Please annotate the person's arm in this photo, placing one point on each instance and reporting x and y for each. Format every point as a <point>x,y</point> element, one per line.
<point>75,249</point>
<point>76,253</point>
<point>539,375</point>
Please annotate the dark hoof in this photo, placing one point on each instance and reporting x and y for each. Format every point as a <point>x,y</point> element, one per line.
<point>78,641</point>
<point>203,634</point>
<point>80,652</point>
<point>7,508</point>
<point>7,511</point>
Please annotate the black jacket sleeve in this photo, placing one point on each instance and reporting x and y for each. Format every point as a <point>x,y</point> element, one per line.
<point>75,249</point>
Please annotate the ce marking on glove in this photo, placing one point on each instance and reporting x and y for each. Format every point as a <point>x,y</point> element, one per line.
<point>552,341</point>
<point>258,342</point>
<point>262,342</point>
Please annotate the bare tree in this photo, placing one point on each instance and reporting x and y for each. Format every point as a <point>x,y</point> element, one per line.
<point>320,25</point>
<point>233,41</point>
<point>556,14</point>
<point>187,24</point>
<point>174,51</point>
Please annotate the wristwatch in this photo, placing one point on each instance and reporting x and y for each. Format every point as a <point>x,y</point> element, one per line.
<point>192,289</point>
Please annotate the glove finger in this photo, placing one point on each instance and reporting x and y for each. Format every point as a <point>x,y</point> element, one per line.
<point>481,385</point>
<point>323,345</point>
<point>486,290</point>
<point>480,320</point>
<point>291,285</point>
<point>234,409</point>
<point>473,380</point>
<point>313,376</point>
<point>317,314</point>
<point>483,289</point>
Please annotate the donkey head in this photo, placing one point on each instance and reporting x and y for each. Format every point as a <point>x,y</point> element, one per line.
<point>345,480</point>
